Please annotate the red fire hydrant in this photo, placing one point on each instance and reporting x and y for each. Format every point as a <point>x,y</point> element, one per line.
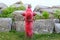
<point>28,16</point>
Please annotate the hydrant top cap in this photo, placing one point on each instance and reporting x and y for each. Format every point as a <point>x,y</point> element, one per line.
<point>29,6</point>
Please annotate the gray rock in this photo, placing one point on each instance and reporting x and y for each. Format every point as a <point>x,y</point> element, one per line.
<point>17,4</point>
<point>2,6</point>
<point>19,26</point>
<point>43,26</point>
<point>17,16</point>
<point>39,7</point>
<point>56,20</point>
<point>57,27</point>
<point>5,24</point>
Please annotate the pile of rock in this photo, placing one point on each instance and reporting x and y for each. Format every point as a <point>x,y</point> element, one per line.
<point>50,10</point>
<point>40,26</point>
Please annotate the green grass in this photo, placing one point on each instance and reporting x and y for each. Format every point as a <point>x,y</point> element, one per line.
<point>21,36</point>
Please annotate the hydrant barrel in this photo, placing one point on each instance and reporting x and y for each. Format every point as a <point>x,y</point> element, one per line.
<point>28,15</point>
